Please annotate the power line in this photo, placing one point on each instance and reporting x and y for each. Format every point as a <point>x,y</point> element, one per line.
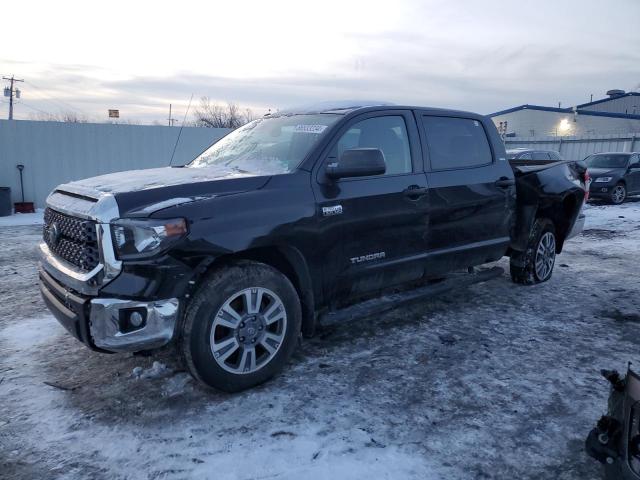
<point>57,102</point>
<point>34,108</point>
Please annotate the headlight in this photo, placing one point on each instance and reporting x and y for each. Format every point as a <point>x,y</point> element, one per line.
<point>144,238</point>
<point>603,179</point>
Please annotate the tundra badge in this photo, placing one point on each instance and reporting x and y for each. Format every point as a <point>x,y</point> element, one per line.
<point>368,258</point>
<point>329,211</point>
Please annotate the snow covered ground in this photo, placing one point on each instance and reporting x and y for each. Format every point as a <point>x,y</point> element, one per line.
<point>495,381</point>
<point>19,219</point>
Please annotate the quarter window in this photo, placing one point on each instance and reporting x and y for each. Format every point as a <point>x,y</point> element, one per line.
<point>389,134</point>
<point>456,142</point>
<point>541,156</point>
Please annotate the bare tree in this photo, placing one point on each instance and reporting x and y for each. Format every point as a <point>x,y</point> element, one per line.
<point>66,117</point>
<point>212,115</point>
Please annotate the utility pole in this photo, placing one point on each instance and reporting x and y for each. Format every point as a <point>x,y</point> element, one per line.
<point>171,119</point>
<point>11,92</point>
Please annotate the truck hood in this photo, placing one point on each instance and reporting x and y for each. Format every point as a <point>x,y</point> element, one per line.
<point>143,192</point>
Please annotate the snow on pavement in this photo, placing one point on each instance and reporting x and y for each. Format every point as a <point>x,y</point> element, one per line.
<point>495,381</point>
<point>21,219</point>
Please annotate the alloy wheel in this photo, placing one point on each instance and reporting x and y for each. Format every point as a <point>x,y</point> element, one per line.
<point>618,194</point>
<point>248,330</point>
<point>545,256</point>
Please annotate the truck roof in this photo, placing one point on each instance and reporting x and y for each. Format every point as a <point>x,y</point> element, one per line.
<point>345,107</point>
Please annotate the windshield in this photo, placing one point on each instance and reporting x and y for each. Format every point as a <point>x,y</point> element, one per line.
<point>267,146</point>
<point>607,161</point>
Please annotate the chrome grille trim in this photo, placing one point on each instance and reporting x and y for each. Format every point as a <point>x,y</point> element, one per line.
<point>102,211</point>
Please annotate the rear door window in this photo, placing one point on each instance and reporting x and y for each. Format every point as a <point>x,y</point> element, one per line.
<point>555,156</point>
<point>456,142</point>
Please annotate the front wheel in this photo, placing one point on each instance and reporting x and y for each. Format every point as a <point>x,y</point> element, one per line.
<point>618,194</point>
<point>241,326</point>
<point>535,264</point>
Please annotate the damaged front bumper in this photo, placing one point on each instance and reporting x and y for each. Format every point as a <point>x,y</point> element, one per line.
<point>615,442</point>
<point>111,324</point>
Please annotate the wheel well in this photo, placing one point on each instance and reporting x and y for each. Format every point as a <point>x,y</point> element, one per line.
<point>291,264</point>
<point>560,213</point>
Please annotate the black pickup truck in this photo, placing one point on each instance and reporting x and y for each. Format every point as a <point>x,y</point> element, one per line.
<point>236,254</point>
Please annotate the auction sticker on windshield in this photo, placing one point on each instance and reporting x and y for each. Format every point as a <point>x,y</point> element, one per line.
<point>310,128</point>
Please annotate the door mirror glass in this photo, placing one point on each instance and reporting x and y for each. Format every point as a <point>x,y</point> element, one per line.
<point>357,162</point>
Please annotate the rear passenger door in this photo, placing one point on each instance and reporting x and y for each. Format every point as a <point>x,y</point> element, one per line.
<point>471,194</point>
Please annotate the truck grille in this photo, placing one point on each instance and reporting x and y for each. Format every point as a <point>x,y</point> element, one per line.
<point>72,239</point>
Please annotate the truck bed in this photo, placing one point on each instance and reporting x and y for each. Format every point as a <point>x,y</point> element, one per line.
<point>521,167</point>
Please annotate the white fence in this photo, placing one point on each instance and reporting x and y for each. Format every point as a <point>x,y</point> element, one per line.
<point>54,153</point>
<point>577,148</point>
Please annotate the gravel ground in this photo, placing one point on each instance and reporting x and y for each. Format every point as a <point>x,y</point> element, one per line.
<point>494,381</point>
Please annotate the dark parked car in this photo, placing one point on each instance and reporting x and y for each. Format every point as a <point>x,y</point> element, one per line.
<point>614,176</point>
<point>530,154</point>
<point>291,216</point>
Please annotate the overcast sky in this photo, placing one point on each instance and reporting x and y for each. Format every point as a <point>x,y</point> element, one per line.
<point>139,56</point>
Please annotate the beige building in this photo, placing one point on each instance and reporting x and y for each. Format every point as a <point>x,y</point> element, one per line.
<point>618,113</point>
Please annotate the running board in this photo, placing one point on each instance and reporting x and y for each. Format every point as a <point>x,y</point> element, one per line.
<point>386,303</point>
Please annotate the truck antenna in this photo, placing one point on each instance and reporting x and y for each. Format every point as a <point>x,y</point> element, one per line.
<point>180,132</point>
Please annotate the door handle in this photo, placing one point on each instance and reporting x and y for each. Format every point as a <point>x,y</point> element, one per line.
<point>505,182</point>
<point>414,192</point>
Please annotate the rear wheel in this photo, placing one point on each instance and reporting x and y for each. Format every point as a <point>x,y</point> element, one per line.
<point>535,264</point>
<point>241,327</point>
<point>618,194</point>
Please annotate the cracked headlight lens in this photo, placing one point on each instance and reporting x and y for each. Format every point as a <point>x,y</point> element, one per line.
<point>144,238</point>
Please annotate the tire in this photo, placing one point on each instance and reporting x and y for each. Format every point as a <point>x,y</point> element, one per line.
<point>252,340</point>
<point>618,194</point>
<point>535,264</point>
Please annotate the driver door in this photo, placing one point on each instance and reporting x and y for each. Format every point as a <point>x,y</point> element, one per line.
<point>379,223</point>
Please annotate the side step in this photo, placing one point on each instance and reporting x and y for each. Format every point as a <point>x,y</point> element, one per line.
<point>386,303</point>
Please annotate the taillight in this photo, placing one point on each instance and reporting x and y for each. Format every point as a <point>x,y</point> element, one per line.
<point>587,183</point>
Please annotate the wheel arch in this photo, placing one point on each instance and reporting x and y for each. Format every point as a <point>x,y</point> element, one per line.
<point>563,214</point>
<point>287,260</point>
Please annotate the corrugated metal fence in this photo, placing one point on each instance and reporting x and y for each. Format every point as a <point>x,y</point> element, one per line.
<point>577,148</point>
<point>55,153</point>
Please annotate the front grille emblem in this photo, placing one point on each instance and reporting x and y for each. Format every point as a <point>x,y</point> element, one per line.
<point>53,234</point>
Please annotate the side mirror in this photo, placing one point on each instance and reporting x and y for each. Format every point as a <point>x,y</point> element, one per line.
<point>358,162</point>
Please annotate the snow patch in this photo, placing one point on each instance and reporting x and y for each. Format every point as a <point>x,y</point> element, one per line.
<point>157,370</point>
<point>21,219</point>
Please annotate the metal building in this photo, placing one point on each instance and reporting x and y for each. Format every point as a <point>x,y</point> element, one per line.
<point>616,114</point>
